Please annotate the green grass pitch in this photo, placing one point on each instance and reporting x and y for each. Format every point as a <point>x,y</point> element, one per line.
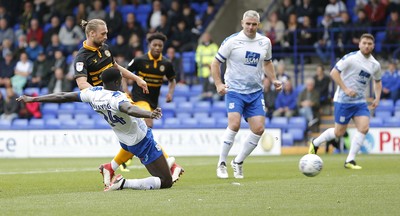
<point>272,186</point>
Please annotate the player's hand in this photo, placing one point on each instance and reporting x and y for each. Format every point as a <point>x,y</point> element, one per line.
<point>24,98</point>
<point>374,104</point>
<point>156,114</point>
<point>278,85</point>
<point>222,89</point>
<point>350,92</point>
<point>168,98</point>
<point>142,84</point>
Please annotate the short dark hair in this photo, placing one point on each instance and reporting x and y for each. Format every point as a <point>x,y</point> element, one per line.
<point>157,35</point>
<point>367,35</point>
<point>111,75</point>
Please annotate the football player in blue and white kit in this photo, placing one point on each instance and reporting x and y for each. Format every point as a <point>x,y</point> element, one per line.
<point>248,59</point>
<point>127,123</point>
<point>352,74</point>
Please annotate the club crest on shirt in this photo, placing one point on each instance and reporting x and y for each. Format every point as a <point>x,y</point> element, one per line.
<point>79,66</point>
<point>108,54</point>
<point>162,68</point>
<point>231,105</point>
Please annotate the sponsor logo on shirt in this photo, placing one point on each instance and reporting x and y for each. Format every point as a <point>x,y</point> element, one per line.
<point>252,58</point>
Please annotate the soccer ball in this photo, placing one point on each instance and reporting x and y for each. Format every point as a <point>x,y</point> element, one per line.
<point>310,165</point>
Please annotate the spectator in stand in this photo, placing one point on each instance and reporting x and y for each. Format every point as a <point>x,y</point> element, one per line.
<point>4,14</point>
<point>208,15</point>
<point>54,46</point>
<point>306,8</point>
<point>58,82</point>
<point>2,103</point>
<point>165,28</point>
<point>70,75</point>
<point>360,26</point>
<point>21,45</point>
<point>131,27</point>
<point>343,34</point>
<point>33,49</point>
<point>334,9</point>
<point>54,29</point>
<point>114,20</point>
<point>391,82</point>
<point>285,103</point>
<point>285,10</point>
<point>59,61</point>
<point>291,32</point>
<point>270,95</point>
<point>26,16</point>
<point>35,32</point>
<point>97,12</point>
<point>134,45</point>
<point>360,4</point>
<point>176,64</point>
<point>308,102</point>
<point>393,31</point>
<point>321,84</point>
<point>324,41</point>
<point>205,54</point>
<point>22,71</point>
<point>188,16</point>
<point>281,74</point>
<point>174,14</point>
<point>70,35</point>
<point>376,10</point>
<point>41,72</point>
<point>181,37</point>
<point>6,47</point>
<point>5,31</point>
<point>11,105</point>
<point>82,13</point>
<point>7,70</point>
<point>154,19</point>
<point>121,47</point>
<point>307,36</point>
<point>274,29</point>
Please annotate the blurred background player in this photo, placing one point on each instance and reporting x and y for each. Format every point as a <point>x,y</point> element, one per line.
<point>133,134</point>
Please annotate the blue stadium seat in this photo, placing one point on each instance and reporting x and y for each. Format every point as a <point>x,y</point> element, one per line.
<point>184,107</point>
<point>202,106</point>
<point>81,117</point>
<point>36,124</point>
<point>50,108</point>
<point>222,122</point>
<point>200,115</point>
<point>141,17</point>
<point>31,90</point>
<point>179,99</point>
<point>44,91</point>
<point>68,108</point>
<point>208,123</point>
<point>172,123</point>
<point>297,134</point>
<point>183,115</point>
<point>391,122</point>
<point>279,122</point>
<point>65,116</point>
<point>218,114</point>
<point>218,106</point>
<point>5,124</point>
<point>19,124</point>
<point>52,124</point>
<point>83,108</point>
<point>297,122</point>
<point>196,90</point>
<point>167,113</point>
<point>85,123</point>
<point>69,124</point>
<point>379,40</point>
<point>169,106</point>
<point>287,139</point>
<point>383,114</point>
<point>158,123</point>
<point>189,123</point>
<point>376,122</point>
<point>46,116</point>
<point>144,8</point>
<point>397,105</point>
<point>182,90</point>
<point>244,124</point>
<point>188,62</point>
<point>267,122</point>
<point>385,105</point>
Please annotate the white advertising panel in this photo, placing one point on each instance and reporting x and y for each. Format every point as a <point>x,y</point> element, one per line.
<point>380,141</point>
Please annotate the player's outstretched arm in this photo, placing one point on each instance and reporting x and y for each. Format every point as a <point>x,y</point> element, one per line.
<point>60,97</point>
<point>129,75</point>
<point>138,112</point>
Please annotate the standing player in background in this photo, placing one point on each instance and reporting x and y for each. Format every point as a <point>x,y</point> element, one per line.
<point>352,74</point>
<point>248,56</point>
<point>126,121</point>
<point>92,59</point>
<point>152,67</point>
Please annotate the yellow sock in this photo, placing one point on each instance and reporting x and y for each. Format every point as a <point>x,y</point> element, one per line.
<point>122,156</point>
<point>164,153</point>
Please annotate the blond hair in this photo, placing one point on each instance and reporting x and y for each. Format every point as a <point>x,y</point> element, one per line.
<point>91,25</point>
<point>251,14</point>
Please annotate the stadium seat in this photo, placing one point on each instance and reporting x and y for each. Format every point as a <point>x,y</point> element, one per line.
<point>218,106</point>
<point>66,108</point>
<point>65,116</point>
<point>244,124</point>
<point>144,8</point>
<point>44,91</point>
<point>202,106</point>
<point>200,115</point>
<point>385,105</point>
<point>221,122</point>
<point>208,123</point>
<point>31,91</point>
<point>52,124</point>
<point>169,106</point>
<point>141,17</point>
<point>183,115</point>
<point>376,122</point>
<point>218,114</point>
<point>185,107</point>
<point>5,124</point>
<point>182,90</point>
<point>167,113</point>
<point>172,123</point>
<point>287,139</point>
<point>50,108</point>
<point>379,40</point>
<point>101,124</point>
<point>86,123</point>
<point>383,114</point>
<point>36,124</point>
<point>279,122</point>
<point>297,133</point>
<point>69,124</point>
<point>189,123</point>
<point>80,117</point>
<point>188,62</point>
<point>179,99</point>
<point>83,108</point>
<point>297,122</point>
<point>196,90</point>
<point>391,122</point>
<point>46,116</point>
<point>19,124</point>
<point>158,123</point>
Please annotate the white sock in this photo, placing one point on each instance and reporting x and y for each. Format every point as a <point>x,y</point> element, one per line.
<point>149,183</point>
<point>356,143</point>
<point>248,146</point>
<point>326,136</point>
<point>114,165</point>
<point>227,143</point>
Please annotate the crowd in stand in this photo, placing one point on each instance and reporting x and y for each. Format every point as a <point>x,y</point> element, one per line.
<point>38,46</point>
